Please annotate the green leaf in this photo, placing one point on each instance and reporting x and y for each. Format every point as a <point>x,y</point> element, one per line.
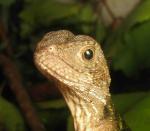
<point>40,12</point>
<point>86,14</point>
<point>125,102</point>
<point>138,117</point>
<point>140,35</point>
<point>10,116</point>
<point>6,2</point>
<point>135,109</point>
<point>141,14</point>
<point>129,45</point>
<point>52,104</point>
<point>47,10</point>
<point>100,31</point>
<point>86,17</point>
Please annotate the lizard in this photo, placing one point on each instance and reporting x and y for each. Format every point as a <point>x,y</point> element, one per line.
<point>78,66</point>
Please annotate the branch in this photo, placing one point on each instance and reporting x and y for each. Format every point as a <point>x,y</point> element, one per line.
<point>12,73</point>
<point>5,39</point>
<point>108,9</point>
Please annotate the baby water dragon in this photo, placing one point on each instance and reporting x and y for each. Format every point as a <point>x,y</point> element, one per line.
<point>78,66</point>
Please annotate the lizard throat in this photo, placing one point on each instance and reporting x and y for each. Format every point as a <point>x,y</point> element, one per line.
<point>84,85</point>
<point>93,115</point>
<point>86,106</point>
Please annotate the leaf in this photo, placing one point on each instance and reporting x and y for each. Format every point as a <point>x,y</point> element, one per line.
<point>6,2</point>
<point>52,104</point>
<point>100,31</point>
<point>129,45</point>
<point>44,12</point>
<point>86,14</point>
<point>10,116</point>
<point>135,109</point>
<point>140,36</point>
<point>138,117</point>
<point>47,10</point>
<point>141,14</point>
<point>124,102</point>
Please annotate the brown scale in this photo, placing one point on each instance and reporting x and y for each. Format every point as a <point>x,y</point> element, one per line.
<point>88,95</point>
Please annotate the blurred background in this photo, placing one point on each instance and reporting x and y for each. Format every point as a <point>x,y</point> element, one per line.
<point>28,101</point>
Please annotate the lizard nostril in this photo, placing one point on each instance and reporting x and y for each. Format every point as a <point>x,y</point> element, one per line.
<point>52,48</point>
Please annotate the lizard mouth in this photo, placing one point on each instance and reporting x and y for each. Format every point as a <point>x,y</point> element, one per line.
<point>59,81</point>
<point>55,69</point>
<point>51,71</point>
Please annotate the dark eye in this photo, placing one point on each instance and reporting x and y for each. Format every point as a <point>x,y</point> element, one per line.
<point>88,54</point>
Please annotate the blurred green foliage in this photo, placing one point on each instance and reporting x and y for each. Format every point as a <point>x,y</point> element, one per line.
<point>6,2</point>
<point>10,116</point>
<point>129,45</point>
<point>26,21</point>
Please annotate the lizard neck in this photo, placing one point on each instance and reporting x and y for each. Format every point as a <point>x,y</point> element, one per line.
<point>91,114</point>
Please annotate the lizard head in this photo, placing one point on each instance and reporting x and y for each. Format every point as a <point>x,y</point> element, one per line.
<point>76,61</point>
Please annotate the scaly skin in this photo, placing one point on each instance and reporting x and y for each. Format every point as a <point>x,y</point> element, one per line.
<point>84,82</point>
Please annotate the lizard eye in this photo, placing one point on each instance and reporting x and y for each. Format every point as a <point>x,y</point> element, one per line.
<point>88,54</point>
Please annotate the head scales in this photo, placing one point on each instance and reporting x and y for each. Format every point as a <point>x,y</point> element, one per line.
<point>83,82</point>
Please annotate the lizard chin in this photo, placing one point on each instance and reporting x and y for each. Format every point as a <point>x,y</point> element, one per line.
<point>68,85</point>
<point>78,67</point>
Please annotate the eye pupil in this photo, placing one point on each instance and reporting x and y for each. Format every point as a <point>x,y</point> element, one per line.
<point>88,54</point>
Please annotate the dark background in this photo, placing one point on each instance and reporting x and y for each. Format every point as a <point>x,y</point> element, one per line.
<point>125,41</point>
